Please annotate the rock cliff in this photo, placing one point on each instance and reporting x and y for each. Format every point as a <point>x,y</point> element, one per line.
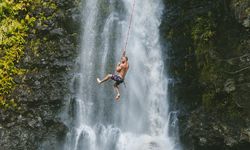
<point>208,52</point>
<point>29,109</point>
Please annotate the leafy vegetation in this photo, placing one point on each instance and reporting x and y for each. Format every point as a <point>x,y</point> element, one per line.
<point>18,19</point>
<point>208,45</point>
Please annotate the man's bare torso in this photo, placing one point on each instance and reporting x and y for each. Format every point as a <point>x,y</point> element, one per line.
<point>122,69</point>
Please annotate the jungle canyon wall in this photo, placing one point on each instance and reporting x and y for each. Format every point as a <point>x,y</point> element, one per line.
<point>208,56</point>
<point>38,43</point>
<point>209,62</point>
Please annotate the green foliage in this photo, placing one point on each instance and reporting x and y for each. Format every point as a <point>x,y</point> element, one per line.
<point>202,33</point>
<point>207,44</point>
<point>206,100</point>
<point>13,32</point>
<point>7,105</point>
<point>203,30</point>
<point>16,22</point>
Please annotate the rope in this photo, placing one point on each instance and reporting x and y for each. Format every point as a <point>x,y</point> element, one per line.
<point>129,28</point>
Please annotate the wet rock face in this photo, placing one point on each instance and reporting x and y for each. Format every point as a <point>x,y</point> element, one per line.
<point>40,94</point>
<point>210,75</point>
<point>242,11</point>
<point>208,132</point>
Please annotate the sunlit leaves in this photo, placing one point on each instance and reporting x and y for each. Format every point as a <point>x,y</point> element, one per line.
<point>18,19</point>
<point>13,31</point>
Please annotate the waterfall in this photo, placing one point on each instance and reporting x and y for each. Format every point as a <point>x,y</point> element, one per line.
<point>140,121</point>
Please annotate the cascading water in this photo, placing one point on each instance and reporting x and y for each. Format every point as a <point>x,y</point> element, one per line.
<point>140,120</point>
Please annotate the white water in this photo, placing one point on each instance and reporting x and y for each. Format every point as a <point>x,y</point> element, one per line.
<point>140,121</point>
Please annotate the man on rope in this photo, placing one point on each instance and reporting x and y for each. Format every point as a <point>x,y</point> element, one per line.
<point>121,69</point>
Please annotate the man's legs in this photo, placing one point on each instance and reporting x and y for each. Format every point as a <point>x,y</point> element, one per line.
<point>117,90</point>
<point>105,79</point>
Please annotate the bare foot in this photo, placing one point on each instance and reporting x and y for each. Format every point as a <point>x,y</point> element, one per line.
<point>117,97</point>
<point>98,81</point>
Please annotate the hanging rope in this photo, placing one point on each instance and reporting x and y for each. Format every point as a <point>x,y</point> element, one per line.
<point>129,28</point>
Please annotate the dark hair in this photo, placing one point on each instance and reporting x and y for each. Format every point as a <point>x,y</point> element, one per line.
<point>126,58</point>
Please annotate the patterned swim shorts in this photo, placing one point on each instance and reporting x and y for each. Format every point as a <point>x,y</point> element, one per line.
<point>117,78</point>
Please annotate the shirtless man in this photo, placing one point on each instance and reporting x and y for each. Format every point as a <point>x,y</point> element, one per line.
<point>121,70</point>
